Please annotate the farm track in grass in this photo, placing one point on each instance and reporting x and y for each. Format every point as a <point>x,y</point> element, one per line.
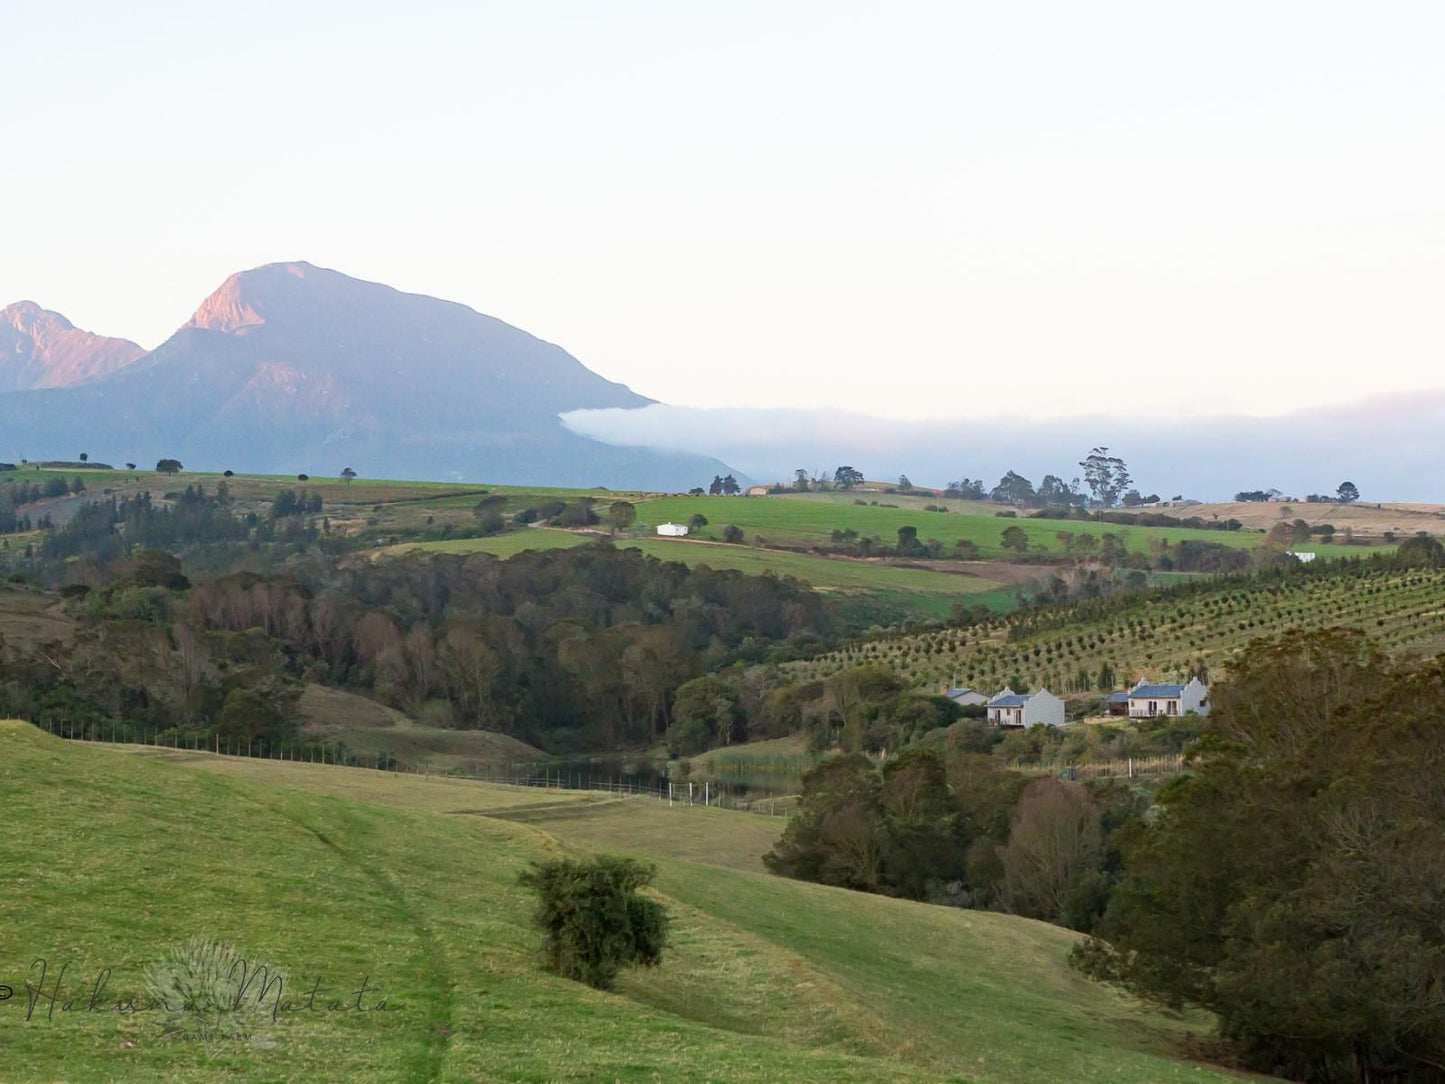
<point>1161,635</point>
<point>346,873</point>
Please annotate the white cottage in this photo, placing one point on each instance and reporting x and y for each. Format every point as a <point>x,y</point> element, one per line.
<point>675,530</point>
<point>1009,708</point>
<point>1148,699</point>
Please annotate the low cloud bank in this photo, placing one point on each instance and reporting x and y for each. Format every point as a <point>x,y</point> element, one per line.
<point>1390,446</point>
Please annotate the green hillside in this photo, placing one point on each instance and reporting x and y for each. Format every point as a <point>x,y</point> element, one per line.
<point>925,590</point>
<point>409,884</point>
<point>1163,634</point>
<point>811,518</point>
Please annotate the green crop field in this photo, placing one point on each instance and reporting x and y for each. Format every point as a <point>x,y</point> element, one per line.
<point>923,590</point>
<point>336,876</point>
<point>1162,635</point>
<point>813,518</point>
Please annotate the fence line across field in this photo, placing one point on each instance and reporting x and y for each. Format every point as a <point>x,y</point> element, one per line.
<point>687,793</point>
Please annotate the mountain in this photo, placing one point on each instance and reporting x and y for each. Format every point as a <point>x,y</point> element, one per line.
<point>289,368</point>
<point>42,349</point>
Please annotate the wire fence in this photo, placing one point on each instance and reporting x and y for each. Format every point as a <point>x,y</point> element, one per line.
<point>703,793</point>
<point>1128,768</point>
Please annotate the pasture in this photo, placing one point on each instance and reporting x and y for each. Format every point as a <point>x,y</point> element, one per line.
<point>372,889</point>
<point>811,519</point>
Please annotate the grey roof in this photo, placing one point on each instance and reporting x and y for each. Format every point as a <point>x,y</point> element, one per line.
<point>1012,700</point>
<point>960,692</point>
<point>1118,698</point>
<point>1156,691</point>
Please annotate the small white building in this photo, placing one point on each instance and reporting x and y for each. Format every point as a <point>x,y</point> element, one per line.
<point>1302,558</point>
<point>965,697</point>
<point>674,530</point>
<point>1009,708</point>
<point>1147,700</point>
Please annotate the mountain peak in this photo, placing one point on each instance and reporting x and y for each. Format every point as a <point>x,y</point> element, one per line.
<point>42,349</point>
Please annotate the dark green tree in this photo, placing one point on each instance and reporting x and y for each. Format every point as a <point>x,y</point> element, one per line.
<point>593,919</point>
<point>621,515</point>
<point>1015,539</point>
<point>1290,883</point>
<point>1347,493</point>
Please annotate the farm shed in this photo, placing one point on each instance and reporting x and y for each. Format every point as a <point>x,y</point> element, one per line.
<point>676,530</point>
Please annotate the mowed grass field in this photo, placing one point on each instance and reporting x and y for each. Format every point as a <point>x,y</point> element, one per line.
<point>811,518</point>
<point>926,590</point>
<point>334,876</point>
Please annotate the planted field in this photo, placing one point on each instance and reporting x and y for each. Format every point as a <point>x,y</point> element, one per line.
<point>339,876</point>
<point>813,518</point>
<point>1161,635</point>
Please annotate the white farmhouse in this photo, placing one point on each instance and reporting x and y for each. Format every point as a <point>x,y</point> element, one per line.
<point>1147,700</point>
<point>1009,708</point>
<point>675,530</point>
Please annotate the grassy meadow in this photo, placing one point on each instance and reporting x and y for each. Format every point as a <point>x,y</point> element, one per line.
<point>335,875</point>
<point>811,518</point>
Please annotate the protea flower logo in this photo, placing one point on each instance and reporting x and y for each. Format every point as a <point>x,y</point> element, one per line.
<point>208,992</point>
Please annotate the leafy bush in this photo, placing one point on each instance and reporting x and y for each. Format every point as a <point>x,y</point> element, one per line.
<point>593,921</point>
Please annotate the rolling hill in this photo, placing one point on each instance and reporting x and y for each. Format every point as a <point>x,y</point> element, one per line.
<point>292,368</point>
<point>338,876</point>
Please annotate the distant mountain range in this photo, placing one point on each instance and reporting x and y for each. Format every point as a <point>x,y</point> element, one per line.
<point>42,349</point>
<point>291,368</point>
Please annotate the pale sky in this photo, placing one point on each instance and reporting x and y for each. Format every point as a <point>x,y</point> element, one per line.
<point>906,209</point>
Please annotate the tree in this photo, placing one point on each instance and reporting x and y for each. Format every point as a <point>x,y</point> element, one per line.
<point>130,466</point>
<point>84,457</point>
<point>1054,843</point>
<point>1348,493</point>
<point>168,466</point>
<point>303,477</point>
<point>800,480</point>
<point>347,474</point>
<point>1106,475</point>
<point>488,513</point>
<point>847,478</point>
<point>1012,488</point>
<point>967,489</point>
<point>1015,539</point>
<point>903,482</point>
<point>696,522</point>
<point>224,473</point>
<point>716,488</point>
<point>732,533</point>
<point>730,486</point>
<point>621,515</point>
<point>1290,881</point>
<point>697,491</point>
<point>966,549</point>
<point>593,921</point>
<point>908,544</point>
<point>1054,492</point>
